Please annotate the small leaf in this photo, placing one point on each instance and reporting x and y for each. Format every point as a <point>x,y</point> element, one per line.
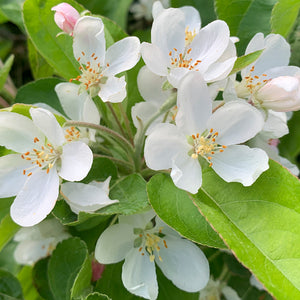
<point>260,223</point>
<point>8,229</point>
<point>244,61</point>
<point>12,10</point>
<point>4,71</point>
<point>97,296</point>
<point>40,91</point>
<point>9,286</point>
<point>284,15</point>
<point>174,207</point>
<point>68,270</point>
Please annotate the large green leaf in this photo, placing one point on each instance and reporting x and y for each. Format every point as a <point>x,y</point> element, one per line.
<point>9,285</point>
<point>7,230</point>
<point>41,28</point>
<point>176,209</point>
<point>40,91</point>
<point>4,71</point>
<point>12,10</point>
<point>245,18</point>
<point>284,15</point>
<point>69,269</point>
<point>260,223</point>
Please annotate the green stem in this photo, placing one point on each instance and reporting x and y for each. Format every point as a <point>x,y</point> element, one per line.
<point>116,118</point>
<point>168,104</point>
<point>102,129</point>
<point>7,96</point>
<point>126,121</point>
<point>114,220</point>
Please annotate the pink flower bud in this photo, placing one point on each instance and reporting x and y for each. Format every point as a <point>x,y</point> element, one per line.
<point>97,270</point>
<point>280,94</point>
<point>65,17</point>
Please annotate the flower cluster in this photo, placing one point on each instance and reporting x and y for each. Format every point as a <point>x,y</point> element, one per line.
<point>198,113</point>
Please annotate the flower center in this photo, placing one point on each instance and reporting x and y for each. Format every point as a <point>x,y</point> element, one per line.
<point>205,145</point>
<point>72,134</point>
<point>150,242</point>
<point>253,83</point>
<point>183,60</point>
<point>91,73</point>
<point>43,156</point>
<point>189,35</point>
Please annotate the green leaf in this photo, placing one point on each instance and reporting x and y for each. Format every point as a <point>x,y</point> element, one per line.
<point>7,260</point>
<point>41,28</point>
<point>4,71</point>
<point>244,61</point>
<point>9,285</point>
<point>40,278</point>
<point>8,228</point>
<point>176,209</point>
<point>245,18</point>
<point>40,91</point>
<point>12,10</point>
<point>39,67</point>
<point>5,203</point>
<point>260,224</point>
<point>116,32</point>
<point>97,296</point>
<point>284,15</point>
<point>132,196</point>
<point>25,278</point>
<point>116,10</point>
<point>69,269</point>
<point>290,144</point>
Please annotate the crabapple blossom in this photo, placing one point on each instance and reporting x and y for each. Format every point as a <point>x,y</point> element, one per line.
<point>214,137</point>
<point>38,241</point>
<point>43,154</point>
<point>65,17</point>
<point>180,46</point>
<point>143,240</point>
<point>99,66</point>
<point>87,197</point>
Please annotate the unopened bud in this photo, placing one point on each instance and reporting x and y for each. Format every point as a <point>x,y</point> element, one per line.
<point>65,17</point>
<point>280,94</point>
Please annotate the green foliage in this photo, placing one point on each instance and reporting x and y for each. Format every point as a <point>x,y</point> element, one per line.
<point>4,71</point>
<point>9,286</point>
<point>245,60</point>
<point>40,91</point>
<point>8,229</point>
<point>284,15</point>
<point>245,18</point>
<point>12,11</point>
<point>38,65</point>
<point>42,30</point>
<point>97,296</point>
<point>176,209</point>
<point>69,269</point>
<point>261,229</point>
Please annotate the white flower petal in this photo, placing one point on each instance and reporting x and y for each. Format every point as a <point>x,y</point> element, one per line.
<point>28,252</point>
<point>76,161</point>
<point>70,99</point>
<point>192,18</point>
<point>168,31</point>
<point>114,243</point>
<point>90,112</point>
<point>186,173</point>
<point>89,39</point>
<point>275,125</point>
<point>155,59</point>
<point>138,275</point>
<point>150,86</point>
<point>229,293</point>
<point>287,164</point>
<point>114,90</point>
<point>163,144</point>
<point>175,76</point>
<point>122,56</point>
<point>194,104</point>
<point>11,174</point>
<point>47,123</point>
<point>240,164</point>
<point>36,199</point>
<point>85,197</point>
<point>236,122</point>
<point>210,43</point>
<point>184,264</point>
<point>138,220</point>
<point>282,71</point>
<point>17,132</point>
